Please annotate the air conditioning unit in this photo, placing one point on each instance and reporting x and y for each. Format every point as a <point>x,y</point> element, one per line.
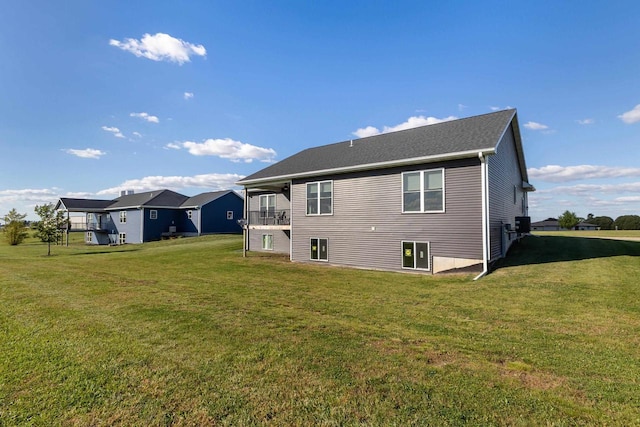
<point>523,224</point>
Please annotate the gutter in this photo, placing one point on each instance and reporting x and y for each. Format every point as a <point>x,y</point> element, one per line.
<point>485,216</point>
<point>368,166</point>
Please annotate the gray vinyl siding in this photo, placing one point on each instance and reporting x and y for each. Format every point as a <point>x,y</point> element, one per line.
<point>368,226</point>
<point>282,202</point>
<point>281,240</point>
<point>504,174</point>
<point>132,227</point>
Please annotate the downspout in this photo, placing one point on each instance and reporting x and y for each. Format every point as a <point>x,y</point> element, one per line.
<point>244,226</point>
<point>142,226</point>
<point>290,220</point>
<point>485,216</point>
<point>200,220</point>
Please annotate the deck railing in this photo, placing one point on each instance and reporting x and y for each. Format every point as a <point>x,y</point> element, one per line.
<point>270,217</point>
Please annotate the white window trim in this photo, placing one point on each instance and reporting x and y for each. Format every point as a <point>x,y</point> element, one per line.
<point>421,211</point>
<point>89,237</point>
<point>153,214</point>
<point>123,217</point>
<point>266,198</point>
<point>263,246</point>
<point>318,259</point>
<point>414,256</point>
<point>189,214</point>
<point>306,200</point>
<point>122,238</point>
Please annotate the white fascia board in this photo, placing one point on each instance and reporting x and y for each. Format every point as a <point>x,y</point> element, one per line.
<point>372,166</point>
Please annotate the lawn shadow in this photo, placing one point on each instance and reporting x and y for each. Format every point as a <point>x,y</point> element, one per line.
<point>547,249</point>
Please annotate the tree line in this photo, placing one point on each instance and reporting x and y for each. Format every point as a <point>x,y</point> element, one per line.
<point>569,220</point>
<point>49,229</point>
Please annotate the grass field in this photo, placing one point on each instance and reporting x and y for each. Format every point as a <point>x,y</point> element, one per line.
<point>187,332</point>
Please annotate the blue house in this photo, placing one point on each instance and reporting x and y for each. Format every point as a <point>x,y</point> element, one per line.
<point>143,217</point>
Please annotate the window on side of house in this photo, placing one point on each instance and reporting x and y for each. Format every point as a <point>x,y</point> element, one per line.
<point>89,237</point>
<point>319,250</point>
<point>267,242</point>
<point>122,238</point>
<point>123,217</point>
<point>189,214</point>
<point>229,215</point>
<point>320,198</point>
<point>423,191</point>
<point>267,206</point>
<point>416,256</point>
<point>153,214</point>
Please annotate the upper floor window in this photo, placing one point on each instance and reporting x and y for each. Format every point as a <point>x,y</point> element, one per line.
<point>320,198</point>
<point>189,214</point>
<point>153,214</point>
<point>423,191</point>
<point>123,216</point>
<point>267,205</point>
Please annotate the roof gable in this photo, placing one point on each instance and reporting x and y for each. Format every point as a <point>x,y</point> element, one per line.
<point>204,198</point>
<point>160,198</point>
<point>82,205</point>
<point>457,138</point>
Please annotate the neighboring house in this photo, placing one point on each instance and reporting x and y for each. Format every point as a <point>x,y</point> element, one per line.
<point>551,224</point>
<point>431,198</point>
<point>143,217</point>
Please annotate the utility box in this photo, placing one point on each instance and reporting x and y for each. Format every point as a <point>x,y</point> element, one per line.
<point>523,224</point>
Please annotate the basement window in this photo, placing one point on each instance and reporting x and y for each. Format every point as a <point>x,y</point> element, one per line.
<point>319,249</point>
<point>416,256</point>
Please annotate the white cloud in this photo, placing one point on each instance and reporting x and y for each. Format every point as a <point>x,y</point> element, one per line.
<point>212,182</point>
<point>87,153</point>
<point>535,126</point>
<point>368,131</point>
<point>138,134</point>
<point>188,95</point>
<point>114,130</point>
<point>586,122</point>
<point>173,146</point>
<point>493,108</point>
<point>146,116</point>
<point>227,148</point>
<point>161,47</point>
<point>412,122</point>
<point>25,200</point>
<point>632,116</point>
<point>462,107</point>
<point>556,173</point>
<point>588,189</point>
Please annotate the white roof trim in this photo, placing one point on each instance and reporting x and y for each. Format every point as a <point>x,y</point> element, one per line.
<point>371,166</point>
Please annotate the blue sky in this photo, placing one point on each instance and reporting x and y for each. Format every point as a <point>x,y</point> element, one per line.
<point>98,97</point>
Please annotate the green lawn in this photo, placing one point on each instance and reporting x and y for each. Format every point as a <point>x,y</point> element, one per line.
<point>187,332</point>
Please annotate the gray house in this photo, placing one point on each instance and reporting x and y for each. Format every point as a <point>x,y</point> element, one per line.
<point>143,217</point>
<point>429,199</point>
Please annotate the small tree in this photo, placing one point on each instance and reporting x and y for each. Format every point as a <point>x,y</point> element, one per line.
<point>15,229</point>
<point>50,226</point>
<point>568,220</point>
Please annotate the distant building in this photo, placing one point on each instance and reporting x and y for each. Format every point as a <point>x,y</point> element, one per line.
<point>551,224</point>
<point>143,217</point>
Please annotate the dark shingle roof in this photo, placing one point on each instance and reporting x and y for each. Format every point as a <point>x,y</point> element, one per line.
<point>468,135</point>
<point>159,198</point>
<point>204,198</point>
<point>82,205</point>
